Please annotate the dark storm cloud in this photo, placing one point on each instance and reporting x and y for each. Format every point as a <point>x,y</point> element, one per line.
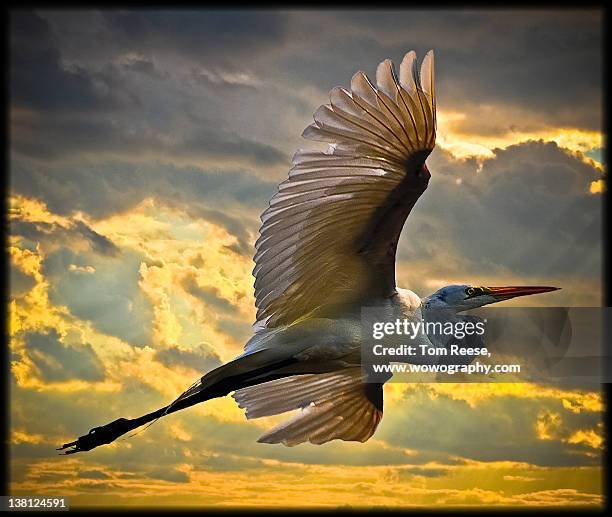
<point>209,141</point>
<point>38,79</point>
<point>60,362</point>
<point>63,111</point>
<point>64,137</point>
<point>213,79</point>
<point>200,357</point>
<point>205,36</point>
<point>528,210</point>
<point>519,57</point>
<point>526,57</point>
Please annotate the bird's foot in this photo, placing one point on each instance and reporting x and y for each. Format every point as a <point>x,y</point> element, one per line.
<point>97,436</point>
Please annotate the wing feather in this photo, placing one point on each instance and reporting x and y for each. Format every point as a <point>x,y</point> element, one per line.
<point>336,405</point>
<point>330,233</point>
<point>408,72</point>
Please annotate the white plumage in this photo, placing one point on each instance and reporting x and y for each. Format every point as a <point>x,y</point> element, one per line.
<point>326,249</point>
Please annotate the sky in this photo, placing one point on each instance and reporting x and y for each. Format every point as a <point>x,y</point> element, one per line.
<point>143,147</point>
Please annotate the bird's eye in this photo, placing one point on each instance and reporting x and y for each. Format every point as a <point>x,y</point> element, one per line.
<point>469,291</point>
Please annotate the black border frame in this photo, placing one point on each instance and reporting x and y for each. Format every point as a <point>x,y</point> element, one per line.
<point>606,272</point>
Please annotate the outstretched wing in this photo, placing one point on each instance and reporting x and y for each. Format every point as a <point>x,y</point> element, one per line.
<point>330,233</point>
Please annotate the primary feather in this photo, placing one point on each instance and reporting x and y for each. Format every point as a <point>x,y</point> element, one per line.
<point>330,233</point>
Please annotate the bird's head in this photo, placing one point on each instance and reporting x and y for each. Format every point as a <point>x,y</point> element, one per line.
<point>464,297</point>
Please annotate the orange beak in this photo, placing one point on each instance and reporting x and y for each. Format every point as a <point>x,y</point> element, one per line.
<point>505,293</point>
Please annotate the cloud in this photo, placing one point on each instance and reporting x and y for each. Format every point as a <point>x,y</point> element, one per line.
<point>71,234</point>
<point>230,199</point>
<point>58,362</point>
<point>201,357</point>
<point>39,81</point>
<point>220,452</point>
<point>143,66</point>
<point>530,200</point>
<point>212,141</point>
<point>81,269</point>
<point>166,474</point>
<point>63,112</point>
<point>111,187</point>
<point>70,138</point>
<point>109,297</point>
<point>409,473</point>
<point>100,243</point>
<point>497,428</point>
<point>209,295</point>
<point>19,282</point>
<point>519,60</point>
<point>226,79</point>
<point>202,35</point>
<point>523,60</point>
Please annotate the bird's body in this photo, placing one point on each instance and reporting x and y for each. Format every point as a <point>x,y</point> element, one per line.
<point>336,335</point>
<point>326,250</point>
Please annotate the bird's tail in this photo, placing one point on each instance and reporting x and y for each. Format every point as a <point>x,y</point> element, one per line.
<point>335,405</point>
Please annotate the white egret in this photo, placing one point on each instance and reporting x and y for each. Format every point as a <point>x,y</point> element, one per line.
<point>327,248</point>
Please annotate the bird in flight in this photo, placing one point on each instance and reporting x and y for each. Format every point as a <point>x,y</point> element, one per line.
<point>326,249</point>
